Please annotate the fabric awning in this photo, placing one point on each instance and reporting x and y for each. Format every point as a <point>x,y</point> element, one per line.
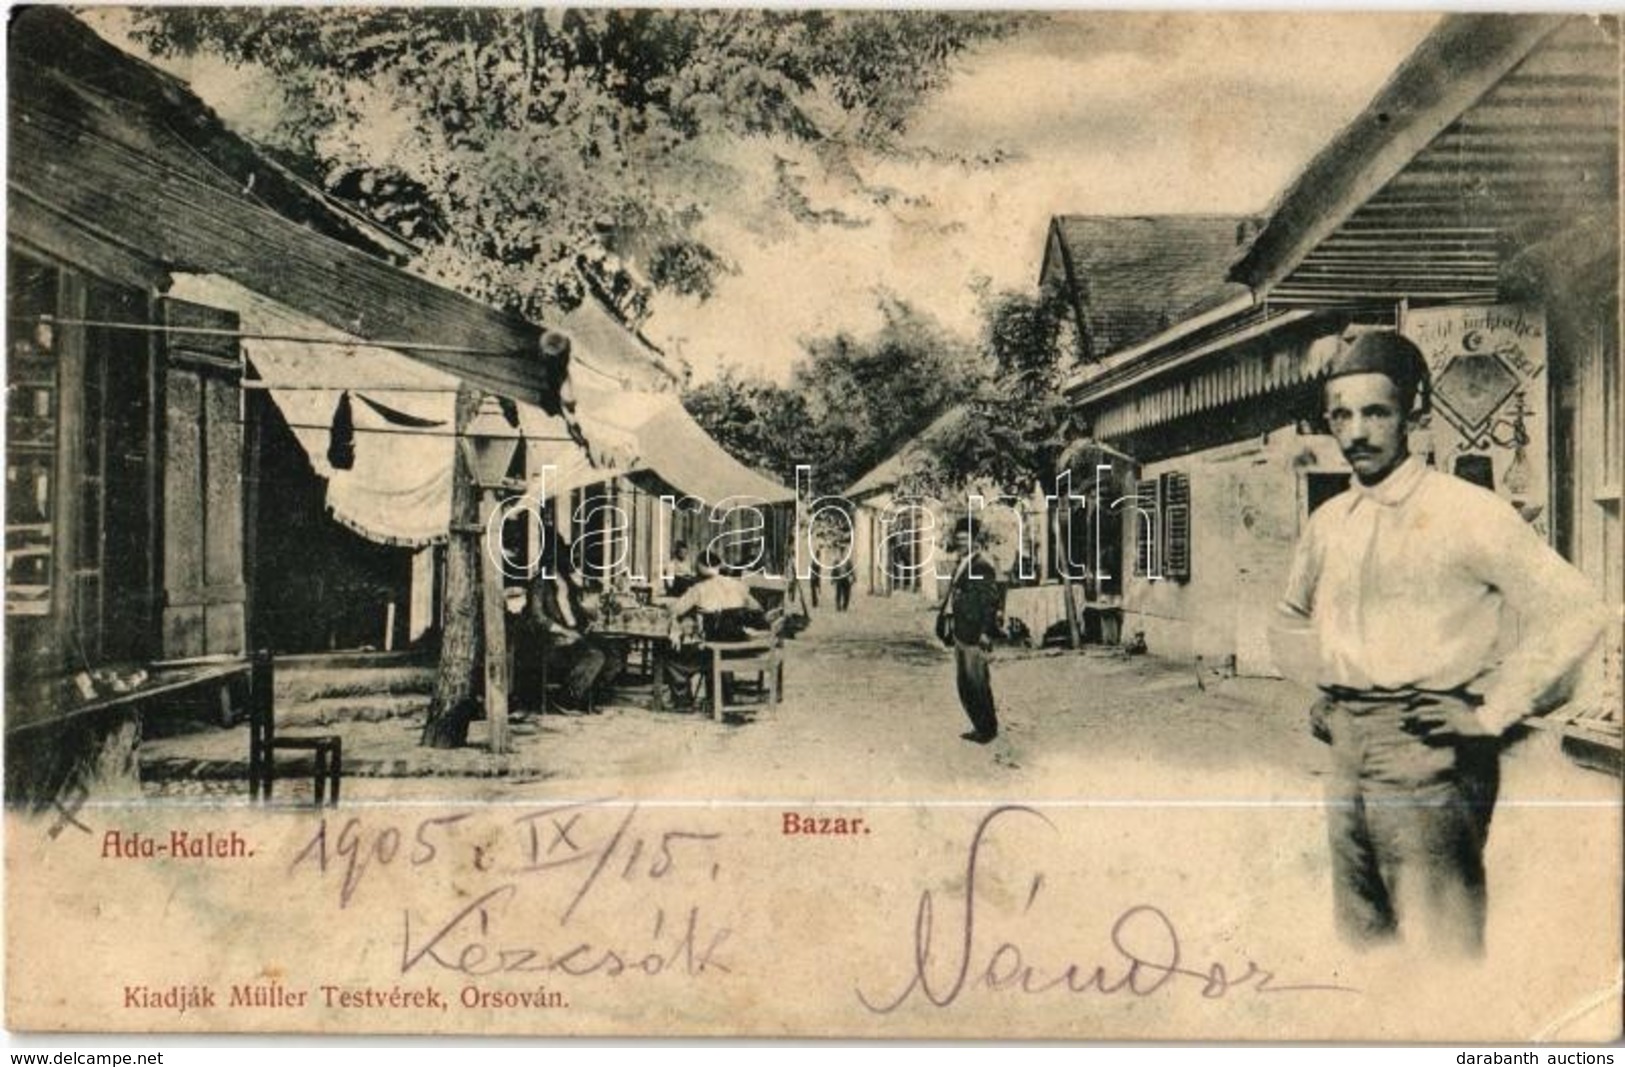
<point>678,449</point>
<point>398,488</point>
<point>671,446</point>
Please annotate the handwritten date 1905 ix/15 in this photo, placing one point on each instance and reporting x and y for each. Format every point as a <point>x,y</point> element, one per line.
<point>1145,958</point>
<point>580,889</point>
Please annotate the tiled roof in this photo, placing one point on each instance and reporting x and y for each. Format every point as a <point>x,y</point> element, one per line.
<point>1132,276</point>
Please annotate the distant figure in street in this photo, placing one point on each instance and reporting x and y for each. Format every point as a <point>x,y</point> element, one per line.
<point>968,621</point>
<point>843,578</point>
<point>1403,581</point>
<point>815,578</point>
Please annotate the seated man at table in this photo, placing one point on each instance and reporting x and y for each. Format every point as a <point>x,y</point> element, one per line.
<point>715,608</point>
<point>550,641</point>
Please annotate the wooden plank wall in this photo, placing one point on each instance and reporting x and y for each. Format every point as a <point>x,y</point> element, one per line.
<point>204,592</point>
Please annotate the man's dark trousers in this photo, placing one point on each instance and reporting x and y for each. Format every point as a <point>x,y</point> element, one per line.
<point>972,670</point>
<point>1408,822</point>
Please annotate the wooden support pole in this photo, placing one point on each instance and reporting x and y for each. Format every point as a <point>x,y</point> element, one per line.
<point>496,639</point>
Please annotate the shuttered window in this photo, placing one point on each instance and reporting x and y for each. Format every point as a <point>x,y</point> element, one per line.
<point>1175,493</point>
<point>1161,518</point>
<point>1144,521</point>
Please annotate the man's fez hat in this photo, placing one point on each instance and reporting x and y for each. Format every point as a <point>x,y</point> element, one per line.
<point>1383,352</point>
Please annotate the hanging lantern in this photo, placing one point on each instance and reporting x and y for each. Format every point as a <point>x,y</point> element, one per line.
<point>495,441</point>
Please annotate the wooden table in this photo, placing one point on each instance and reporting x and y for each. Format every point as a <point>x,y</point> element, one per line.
<point>651,643</point>
<point>162,681</point>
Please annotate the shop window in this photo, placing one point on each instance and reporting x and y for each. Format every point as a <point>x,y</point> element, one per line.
<point>79,468</point>
<point>31,436</point>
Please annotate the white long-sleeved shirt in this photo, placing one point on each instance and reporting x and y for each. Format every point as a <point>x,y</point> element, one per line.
<point>1406,583</point>
<point>709,595</point>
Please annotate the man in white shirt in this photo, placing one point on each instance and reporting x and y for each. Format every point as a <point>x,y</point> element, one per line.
<point>715,591</point>
<point>714,595</point>
<point>1404,579</point>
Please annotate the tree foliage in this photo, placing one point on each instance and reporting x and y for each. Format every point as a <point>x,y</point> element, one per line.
<point>759,423</point>
<point>513,144</point>
<point>850,403</point>
<point>1018,423</point>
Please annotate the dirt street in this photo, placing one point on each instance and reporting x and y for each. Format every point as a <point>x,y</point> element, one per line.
<point>1203,787</point>
<point>870,713</point>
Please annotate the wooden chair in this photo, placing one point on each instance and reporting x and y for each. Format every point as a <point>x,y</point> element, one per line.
<point>327,750</point>
<point>762,657</point>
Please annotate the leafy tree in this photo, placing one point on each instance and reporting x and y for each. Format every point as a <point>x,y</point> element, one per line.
<point>756,421</point>
<point>512,145</point>
<point>1018,424</point>
<point>1019,421</point>
<point>517,147</point>
<point>850,404</point>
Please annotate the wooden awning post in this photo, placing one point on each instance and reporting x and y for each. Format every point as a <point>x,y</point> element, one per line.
<point>496,636</point>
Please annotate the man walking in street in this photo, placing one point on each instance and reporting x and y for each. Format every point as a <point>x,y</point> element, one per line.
<point>969,620</point>
<point>843,577</point>
<point>1404,580</point>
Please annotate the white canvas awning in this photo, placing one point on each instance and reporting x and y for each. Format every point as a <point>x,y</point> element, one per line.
<point>668,444</point>
<point>398,489</point>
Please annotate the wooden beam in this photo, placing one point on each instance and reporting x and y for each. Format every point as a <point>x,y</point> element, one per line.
<point>129,200</point>
<point>48,236</point>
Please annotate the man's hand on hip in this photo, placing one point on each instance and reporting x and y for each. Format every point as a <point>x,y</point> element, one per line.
<point>1448,724</point>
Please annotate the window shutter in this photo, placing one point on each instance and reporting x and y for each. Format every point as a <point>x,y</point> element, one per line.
<point>1144,522</point>
<point>1175,491</point>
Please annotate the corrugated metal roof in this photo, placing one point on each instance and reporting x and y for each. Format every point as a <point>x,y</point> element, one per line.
<point>1501,131</point>
<point>1133,276</point>
<point>105,144</point>
<point>1495,146</point>
<point>60,63</point>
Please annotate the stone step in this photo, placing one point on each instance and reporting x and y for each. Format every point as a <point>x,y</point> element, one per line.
<point>301,685</point>
<point>375,707</point>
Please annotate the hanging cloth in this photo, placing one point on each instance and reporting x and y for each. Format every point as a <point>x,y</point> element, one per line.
<point>341,438</point>
<point>394,416</point>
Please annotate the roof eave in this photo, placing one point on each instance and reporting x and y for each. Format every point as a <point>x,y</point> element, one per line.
<point>1456,65</point>
<point>1148,349</point>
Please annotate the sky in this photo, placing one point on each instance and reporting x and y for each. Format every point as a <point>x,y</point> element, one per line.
<point>1101,113</point>
<point>1090,112</point>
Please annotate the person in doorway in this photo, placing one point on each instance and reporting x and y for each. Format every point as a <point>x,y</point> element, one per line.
<point>681,574</point>
<point>969,620</point>
<point>1404,580</point>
